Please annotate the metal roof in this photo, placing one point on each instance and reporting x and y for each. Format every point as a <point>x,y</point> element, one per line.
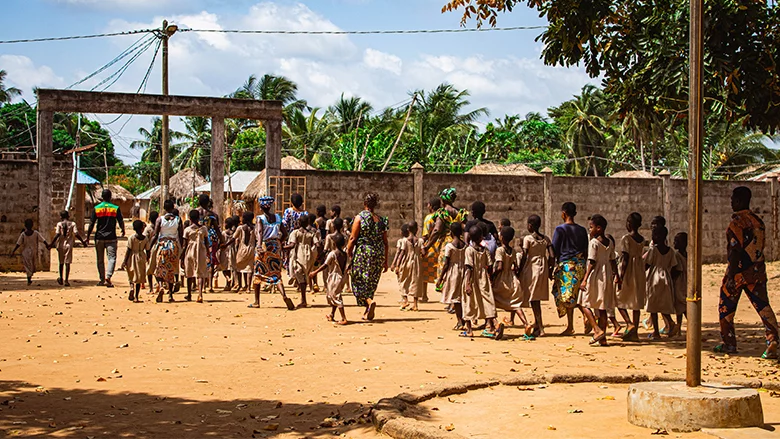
<point>239,180</point>
<point>82,178</point>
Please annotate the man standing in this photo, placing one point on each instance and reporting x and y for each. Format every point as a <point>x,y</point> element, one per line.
<point>746,272</point>
<point>107,216</point>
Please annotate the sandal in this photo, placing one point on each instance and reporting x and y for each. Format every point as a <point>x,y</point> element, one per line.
<point>253,305</point>
<point>723,348</point>
<point>769,356</point>
<point>500,331</point>
<point>371,311</point>
<point>328,317</point>
<point>488,334</point>
<point>131,297</point>
<point>465,335</point>
<point>599,339</point>
<point>458,327</point>
<point>527,337</point>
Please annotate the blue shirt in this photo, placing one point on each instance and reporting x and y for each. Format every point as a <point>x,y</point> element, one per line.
<point>570,240</point>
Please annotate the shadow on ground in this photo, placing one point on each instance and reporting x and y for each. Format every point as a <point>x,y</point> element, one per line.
<point>31,411</point>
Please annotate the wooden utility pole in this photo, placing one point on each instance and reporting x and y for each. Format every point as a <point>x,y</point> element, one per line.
<point>695,141</point>
<point>401,133</point>
<point>105,163</point>
<point>167,33</point>
<point>74,176</point>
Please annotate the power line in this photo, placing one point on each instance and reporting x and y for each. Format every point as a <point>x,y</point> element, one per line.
<point>78,37</point>
<point>365,32</point>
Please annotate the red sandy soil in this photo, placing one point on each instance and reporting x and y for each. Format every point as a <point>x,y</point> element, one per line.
<point>85,362</point>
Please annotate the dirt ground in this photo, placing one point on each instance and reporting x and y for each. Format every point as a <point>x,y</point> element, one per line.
<point>84,362</point>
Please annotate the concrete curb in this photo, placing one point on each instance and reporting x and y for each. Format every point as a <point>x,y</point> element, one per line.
<point>388,415</point>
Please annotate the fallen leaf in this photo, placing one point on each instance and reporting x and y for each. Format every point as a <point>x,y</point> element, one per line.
<point>450,427</point>
<point>271,427</point>
<point>575,411</point>
<point>551,427</point>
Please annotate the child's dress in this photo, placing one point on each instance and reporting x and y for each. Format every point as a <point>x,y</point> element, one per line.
<point>681,283</point>
<point>409,279</point>
<point>452,283</point>
<point>227,255</point>
<point>29,246</point>
<point>151,267</point>
<point>196,253</point>
<point>506,296</point>
<point>633,294</point>
<point>535,276</point>
<point>334,284</point>
<point>600,294</point>
<point>67,231</point>
<point>480,304</point>
<point>660,294</point>
<point>245,252</point>
<point>136,265</point>
<point>301,255</point>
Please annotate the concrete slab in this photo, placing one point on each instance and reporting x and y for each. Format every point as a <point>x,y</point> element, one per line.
<point>676,407</point>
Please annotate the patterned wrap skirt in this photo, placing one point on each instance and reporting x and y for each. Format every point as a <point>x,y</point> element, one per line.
<point>568,277</point>
<point>167,266</point>
<point>268,263</point>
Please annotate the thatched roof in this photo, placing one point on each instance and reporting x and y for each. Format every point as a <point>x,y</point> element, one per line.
<point>496,169</point>
<point>181,185</point>
<point>633,174</point>
<point>257,187</point>
<point>118,193</point>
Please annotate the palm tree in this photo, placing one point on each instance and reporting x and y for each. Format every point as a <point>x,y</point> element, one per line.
<point>586,127</point>
<point>272,88</point>
<point>151,144</point>
<point>349,113</point>
<point>195,148</point>
<point>9,93</point>
<point>307,136</point>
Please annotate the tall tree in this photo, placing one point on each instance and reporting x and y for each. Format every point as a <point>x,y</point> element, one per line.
<point>349,112</point>
<point>7,94</point>
<point>272,88</point>
<point>151,146</point>
<point>195,146</point>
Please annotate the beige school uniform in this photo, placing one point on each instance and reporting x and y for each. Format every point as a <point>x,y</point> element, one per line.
<point>409,277</point>
<point>633,294</point>
<point>227,255</point>
<point>195,256</point>
<point>245,249</point>
<point>29,246</point>
<point>600,294</point>
<point>480,304</point>
<point>152,265</point>
<point>660,293</point>
<point>681,283</point>
<point>506,296</point>
<point>301,255</point>
<point>67,231</point>
<point>136,264</point>
<point>452,283</point>
<point>535,278</point>
<point>335,282</point>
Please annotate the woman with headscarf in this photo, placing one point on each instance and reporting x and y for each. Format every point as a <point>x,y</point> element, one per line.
<point>270,234</point>
<point>443,219</point>
<point>368,251</point>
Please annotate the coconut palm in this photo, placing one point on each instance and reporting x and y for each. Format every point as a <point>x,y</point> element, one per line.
<point>307,136</point>
<point>272,88</point>
<point>195,148</point>
<point>7,94</point>
<point>348,113</point>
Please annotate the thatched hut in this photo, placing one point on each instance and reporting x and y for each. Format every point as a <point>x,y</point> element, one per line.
<point>119,196</point>
<point>633,174</point>
<point>257,187</point>
<point>498,169</point>
<point>183,184</point>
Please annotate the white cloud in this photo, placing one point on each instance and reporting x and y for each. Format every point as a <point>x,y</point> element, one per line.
<point>123,4</point>
<point>25,75</point>
<point>379,60</point>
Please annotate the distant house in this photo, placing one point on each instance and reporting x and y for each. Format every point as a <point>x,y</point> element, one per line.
<point>257,187</point>
<point>180,187</point>
<point>239,181</point>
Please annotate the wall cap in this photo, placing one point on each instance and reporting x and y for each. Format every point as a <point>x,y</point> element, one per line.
<point>664,173</point>
<point>417,166</point>
<point>547,170</point>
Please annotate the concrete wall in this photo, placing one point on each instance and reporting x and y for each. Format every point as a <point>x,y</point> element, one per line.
<point>19,201</point>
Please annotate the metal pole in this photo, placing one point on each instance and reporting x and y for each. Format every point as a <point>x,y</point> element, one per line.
<point>164,177</point>
<point>695,141</point>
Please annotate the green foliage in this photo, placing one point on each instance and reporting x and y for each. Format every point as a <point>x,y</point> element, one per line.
<point>248,151</point>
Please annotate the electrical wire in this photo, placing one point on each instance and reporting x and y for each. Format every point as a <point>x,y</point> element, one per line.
<point>78,37</point>
<point>132,48</point>
<point>366,32</point>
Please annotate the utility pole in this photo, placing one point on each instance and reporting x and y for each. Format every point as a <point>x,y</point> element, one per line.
<point>401,133</point>
<point>167,33</point>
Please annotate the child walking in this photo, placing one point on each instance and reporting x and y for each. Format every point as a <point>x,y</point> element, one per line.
<point>450,281</point>
<point>409,262</point>
<point>227,254</point>
<point>478,301</point>
<point>151,266</point>
<point>680,277</point>
<point>246,241</point>
<point>395,266</point>
<point>597,292</point>
<point>336,267</point>
<point>136,255</point>
<point>659,262</point>
<point>195,256</point>
<point>64,240</point>
<point>28,241</point>
<point>508,296</point>
<point>536,270</point>
<point>631,297</point>
<point>301,245</point>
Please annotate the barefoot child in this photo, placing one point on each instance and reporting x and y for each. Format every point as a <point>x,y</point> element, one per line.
<point>508,297</point>
<point>396,266</point>
<point>680,277</point>
<point>301,245</point>
<point>195,256</point>
<point>64,240</point>
<point>631,297</point>
<point>535,267</point>
<point>409,267</point>
<point>450,281</point>
<point>151,266</point>
<point>246,242</point>
<point>597,292</point>
<point>659,261</point>
<point>336,266</point>
<point>478,301</point>
<point>135,260</point>
<point>227,254</point>
<point>28,241</point>
<point>335,213</point>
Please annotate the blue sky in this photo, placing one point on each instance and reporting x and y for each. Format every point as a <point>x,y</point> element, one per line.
<point>502,70</point>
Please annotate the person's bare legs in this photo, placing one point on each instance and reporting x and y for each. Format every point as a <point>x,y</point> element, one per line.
<point>656,335</point>
<point>257,296</point>
<point>671,328</point>
<point>59,279</point>
<point>536,306</point>
<point>599,333</point>
<point>302,289</point>
<point>570,322</point>
<point>67,275</point>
